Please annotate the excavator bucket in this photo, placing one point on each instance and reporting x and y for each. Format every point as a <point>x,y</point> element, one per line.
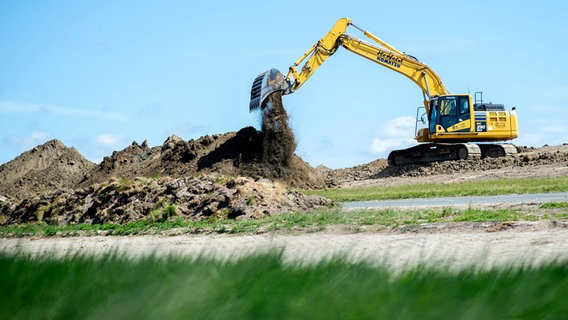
<point>265,84</point>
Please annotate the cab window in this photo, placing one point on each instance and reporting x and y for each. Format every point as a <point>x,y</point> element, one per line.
<point>448,107</point>
<point>463,105</point>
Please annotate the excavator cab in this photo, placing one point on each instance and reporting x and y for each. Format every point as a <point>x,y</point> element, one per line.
<point>455,118</point>
<point>450,111</point>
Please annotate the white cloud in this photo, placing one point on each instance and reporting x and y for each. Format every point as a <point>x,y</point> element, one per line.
<point>23,107</point>
<point>396,133</point>
<point>109,140</point>
<point>34,139</point>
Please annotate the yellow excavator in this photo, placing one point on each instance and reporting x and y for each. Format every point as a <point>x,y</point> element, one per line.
<point>459,126</point>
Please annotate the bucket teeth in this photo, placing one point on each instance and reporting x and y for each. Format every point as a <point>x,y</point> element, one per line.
<point>265,84</point>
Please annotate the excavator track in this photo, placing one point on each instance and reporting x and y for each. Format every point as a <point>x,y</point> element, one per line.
<point>497,150</point>
<point>433,152</point>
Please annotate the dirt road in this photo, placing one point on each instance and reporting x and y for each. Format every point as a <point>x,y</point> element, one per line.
<point>535,244</point>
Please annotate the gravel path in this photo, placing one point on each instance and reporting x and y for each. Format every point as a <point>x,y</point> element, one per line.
<point>396,250</point>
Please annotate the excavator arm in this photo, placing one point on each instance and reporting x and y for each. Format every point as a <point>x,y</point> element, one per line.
<point>316,55</point>
<point>379,52</point>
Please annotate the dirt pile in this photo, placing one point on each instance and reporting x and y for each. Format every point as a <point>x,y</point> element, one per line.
<point>53,166</point>
<point>243,153</point>
<point>526,158</point>
<point>276,159</point>
<point>248,152</point>
<point>191,198</point>
<point>531,162</point>
<point>221,153</point>
<point>56,184</point>
<point>46,167</point>
<point>336,177</point>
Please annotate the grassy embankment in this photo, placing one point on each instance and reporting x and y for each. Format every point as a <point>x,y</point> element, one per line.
<point>264,287</point>
<point>354,220</point>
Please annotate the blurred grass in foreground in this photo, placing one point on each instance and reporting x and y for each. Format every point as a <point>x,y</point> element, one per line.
<point>264,287</point>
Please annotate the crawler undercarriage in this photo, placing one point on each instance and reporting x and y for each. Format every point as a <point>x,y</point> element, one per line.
<point>433,152</point>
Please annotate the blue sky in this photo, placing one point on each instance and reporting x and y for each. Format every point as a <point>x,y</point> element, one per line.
<point>98,75</point>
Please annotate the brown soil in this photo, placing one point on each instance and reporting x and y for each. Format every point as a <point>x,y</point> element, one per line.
<point>200,178</point>
<point>279,143</point>
<point>194,179</point>
<point>46,167</point>
<point>191,198</point>
<point>543,162</point>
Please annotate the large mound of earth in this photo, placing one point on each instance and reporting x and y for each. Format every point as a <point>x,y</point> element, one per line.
<point>49,166</point>
<point>52,165</point>
<point>236,174</point>
<point>190,198</point>
<point>56,184</point>
<point>234,154</point>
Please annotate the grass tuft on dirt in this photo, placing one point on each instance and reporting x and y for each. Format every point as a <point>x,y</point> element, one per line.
<point>263,286</point>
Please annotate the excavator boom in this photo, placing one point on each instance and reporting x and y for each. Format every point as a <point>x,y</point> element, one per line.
<point>380,52</point>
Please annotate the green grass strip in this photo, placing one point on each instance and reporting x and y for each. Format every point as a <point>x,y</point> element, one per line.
<point>301,221</point>
<point>493,187</point>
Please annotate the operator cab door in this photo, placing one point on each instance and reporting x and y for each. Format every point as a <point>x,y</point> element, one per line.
<point>448,111</point>
<point>434,118</point>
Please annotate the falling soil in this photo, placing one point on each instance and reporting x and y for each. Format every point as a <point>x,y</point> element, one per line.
<point>278,143</point>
